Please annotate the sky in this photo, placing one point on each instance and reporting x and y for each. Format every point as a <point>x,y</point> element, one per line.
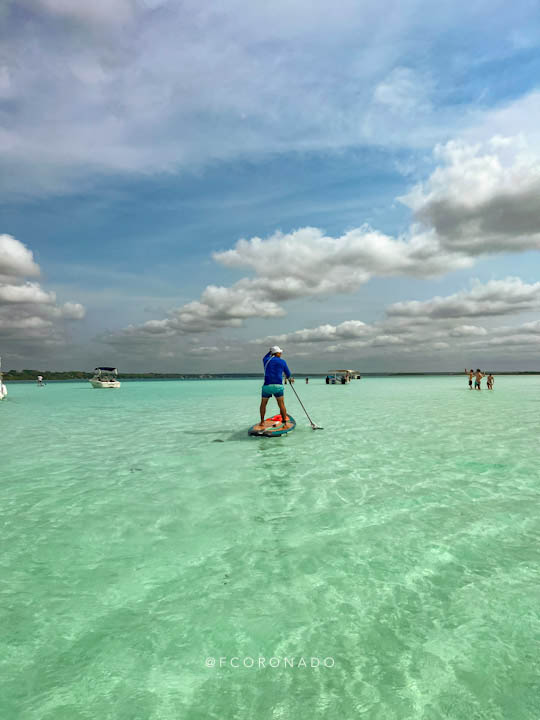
<point>184,184</point>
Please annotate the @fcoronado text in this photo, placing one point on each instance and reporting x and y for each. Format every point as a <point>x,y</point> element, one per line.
<point>269,662</point>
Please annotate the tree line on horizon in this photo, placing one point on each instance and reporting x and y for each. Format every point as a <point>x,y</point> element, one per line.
<point>29,375</point>
<point>32,375</point>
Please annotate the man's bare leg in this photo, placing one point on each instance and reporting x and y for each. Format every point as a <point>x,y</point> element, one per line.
<point>281,403</point>
<point>264,403</point>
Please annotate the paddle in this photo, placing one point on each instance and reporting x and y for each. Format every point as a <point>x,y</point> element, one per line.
<point>313,426</point>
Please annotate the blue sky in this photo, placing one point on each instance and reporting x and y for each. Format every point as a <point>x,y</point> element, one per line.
<point>365,158</point>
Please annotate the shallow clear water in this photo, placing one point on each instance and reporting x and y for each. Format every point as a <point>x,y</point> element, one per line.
<point>143,531</point>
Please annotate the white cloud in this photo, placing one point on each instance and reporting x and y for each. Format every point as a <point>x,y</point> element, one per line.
<point>467,331</point>
<point>514,339</point>
<point>497,297</point>
<point>348,330</point>
<point>526,334</point>
<point>27,311</point>
<point>21,322</point>
<point>311,263</point>
<point>72,311</point>
<point>482,198</point>
<point>207,350</point>
<point>530,327</point>
<point>27,293</point>
<point>16,260</point>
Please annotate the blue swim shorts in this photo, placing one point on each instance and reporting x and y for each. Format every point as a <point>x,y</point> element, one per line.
<point>269,390</point>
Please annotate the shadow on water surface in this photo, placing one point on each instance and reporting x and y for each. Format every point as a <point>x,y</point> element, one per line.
<point>239,435</point>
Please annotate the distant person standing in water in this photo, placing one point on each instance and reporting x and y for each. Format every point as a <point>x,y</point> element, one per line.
<point>478,378</point>
<point>327,381</point>
<point>274,369</point>
<point>307,381</point>
<point>490,381</point>
<point>471,373</point>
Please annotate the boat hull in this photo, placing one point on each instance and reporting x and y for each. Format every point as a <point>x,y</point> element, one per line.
<point>98,384</point>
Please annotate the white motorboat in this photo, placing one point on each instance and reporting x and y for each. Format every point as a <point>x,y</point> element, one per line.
<point>105,377</point>
<point>3,388</point>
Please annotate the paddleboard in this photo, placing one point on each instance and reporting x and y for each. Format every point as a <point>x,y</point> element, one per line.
<point>273,427</point>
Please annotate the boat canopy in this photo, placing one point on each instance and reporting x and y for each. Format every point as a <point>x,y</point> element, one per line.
<point>112,370</point>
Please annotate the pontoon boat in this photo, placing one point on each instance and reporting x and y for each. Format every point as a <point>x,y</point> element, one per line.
<point>342,377</point>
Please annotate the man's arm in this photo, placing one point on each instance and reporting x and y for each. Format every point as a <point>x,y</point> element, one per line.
<point>286,369</point>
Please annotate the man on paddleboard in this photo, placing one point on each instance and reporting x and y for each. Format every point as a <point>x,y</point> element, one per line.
<point>274,369</point>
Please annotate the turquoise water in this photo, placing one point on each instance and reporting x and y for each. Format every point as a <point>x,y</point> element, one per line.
<point>143,531</point>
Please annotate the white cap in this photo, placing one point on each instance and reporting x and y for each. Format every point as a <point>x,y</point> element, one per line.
<point>275,349</point>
